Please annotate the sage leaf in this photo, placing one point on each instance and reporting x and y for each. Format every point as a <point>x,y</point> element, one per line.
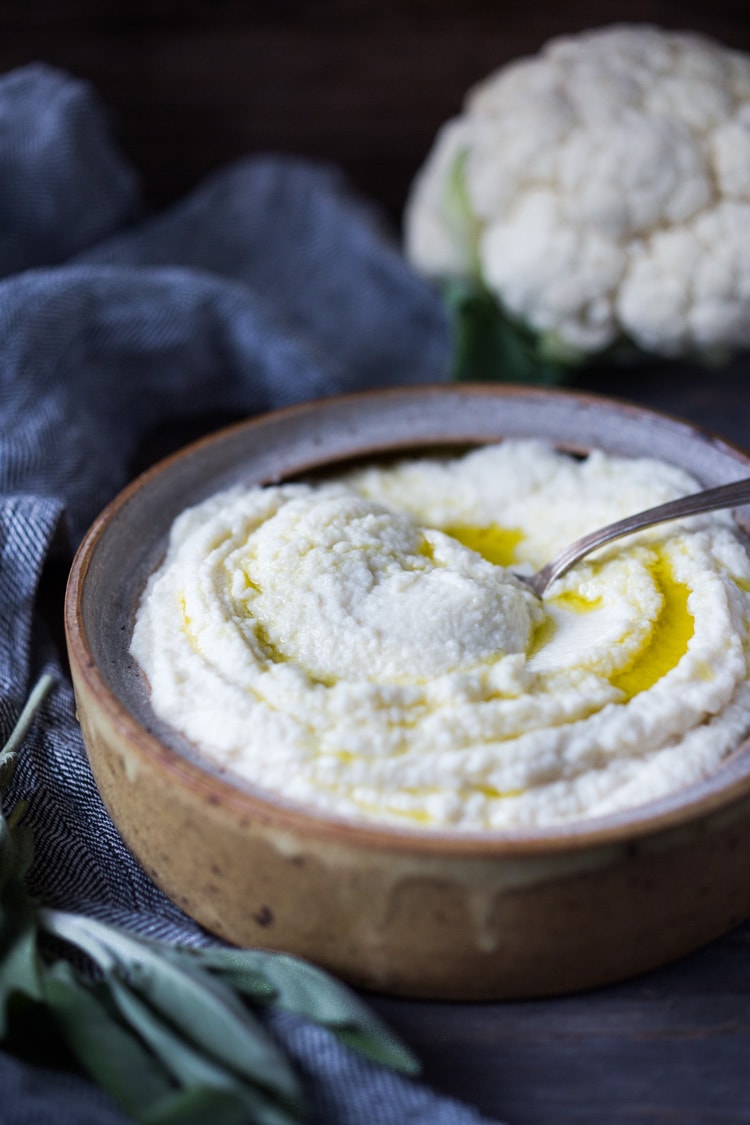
<point>230,964</point>
<point>194,1071</point>
<point>19,963</point>
<point>307,991</point>
<point>200,1105</point>
<point>7,763</point>
<point>122,1063</point>
<point>16,850</point>
<point>9,854</point>
<point>209,1015</point>
<point>117,1060</point>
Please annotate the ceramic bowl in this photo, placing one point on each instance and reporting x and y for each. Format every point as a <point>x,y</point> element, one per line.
<point>429,914</point>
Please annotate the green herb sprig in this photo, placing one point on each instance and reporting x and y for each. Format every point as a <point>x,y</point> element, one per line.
<point>169,1031</point>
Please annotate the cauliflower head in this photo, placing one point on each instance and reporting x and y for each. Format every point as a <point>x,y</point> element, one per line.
<point>600,191</point>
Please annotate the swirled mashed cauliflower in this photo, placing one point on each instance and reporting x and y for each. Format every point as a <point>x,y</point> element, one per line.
<point>363,646</point>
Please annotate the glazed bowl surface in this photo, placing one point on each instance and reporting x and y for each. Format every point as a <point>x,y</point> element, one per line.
<point>413,912</point>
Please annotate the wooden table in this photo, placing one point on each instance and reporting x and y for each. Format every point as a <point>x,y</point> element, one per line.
<point>671,1046</point>
<point>366,84</point>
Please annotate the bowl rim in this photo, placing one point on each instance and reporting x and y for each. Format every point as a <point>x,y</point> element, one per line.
<point>726,787</point>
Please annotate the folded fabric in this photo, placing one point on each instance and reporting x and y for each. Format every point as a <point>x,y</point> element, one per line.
<point>271,284</point>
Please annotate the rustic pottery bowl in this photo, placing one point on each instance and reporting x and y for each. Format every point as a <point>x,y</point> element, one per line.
<point>419,913</point>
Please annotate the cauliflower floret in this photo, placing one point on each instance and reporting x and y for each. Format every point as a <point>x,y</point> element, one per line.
<point>601,191</point>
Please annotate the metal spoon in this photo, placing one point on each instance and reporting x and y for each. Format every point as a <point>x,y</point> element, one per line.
<point>711,500</point>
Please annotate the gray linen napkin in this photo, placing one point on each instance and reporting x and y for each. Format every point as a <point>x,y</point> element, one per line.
<point>269,285</point>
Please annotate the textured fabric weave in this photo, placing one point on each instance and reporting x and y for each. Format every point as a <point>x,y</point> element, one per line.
<point>270,285</point>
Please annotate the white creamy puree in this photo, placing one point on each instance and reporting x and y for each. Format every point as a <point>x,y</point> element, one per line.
<point>362,645</point>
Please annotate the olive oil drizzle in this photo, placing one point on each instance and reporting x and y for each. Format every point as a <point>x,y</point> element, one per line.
<point>493,542</point>
<point>669,638</point>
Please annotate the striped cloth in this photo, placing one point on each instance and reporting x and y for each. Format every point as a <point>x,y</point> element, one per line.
<point>271,284</point>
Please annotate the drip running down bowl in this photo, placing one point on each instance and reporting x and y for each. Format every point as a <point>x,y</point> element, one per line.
<point>432,914</point>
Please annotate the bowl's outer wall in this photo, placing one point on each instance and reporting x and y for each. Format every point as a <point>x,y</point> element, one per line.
<point>399,917</point>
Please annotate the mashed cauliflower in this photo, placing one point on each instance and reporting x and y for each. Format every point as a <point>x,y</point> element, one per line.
<point>363,646</point>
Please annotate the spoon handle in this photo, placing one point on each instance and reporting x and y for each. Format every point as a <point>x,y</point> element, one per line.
<point>711,500</point>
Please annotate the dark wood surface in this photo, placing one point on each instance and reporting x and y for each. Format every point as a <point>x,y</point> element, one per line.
<point>366,84</point>
<point>672,1046</point>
